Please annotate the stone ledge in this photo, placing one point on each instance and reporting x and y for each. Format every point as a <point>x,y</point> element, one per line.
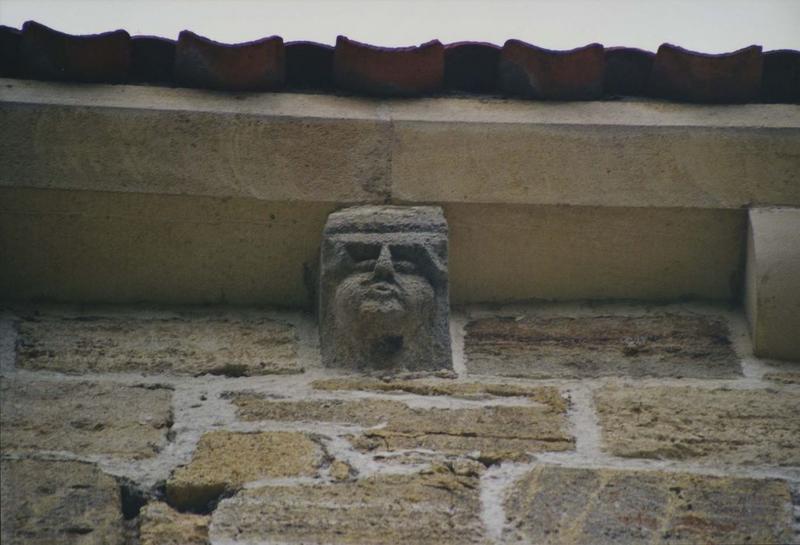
<point>342,149</point>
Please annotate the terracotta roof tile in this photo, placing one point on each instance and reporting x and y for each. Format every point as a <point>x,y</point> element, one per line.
<point>49,54</point>
<point>10,40</point>
<point>471,67</point>
<point>627,71</point>
<point>250,66</point>
<point>781,77</point>
<point>534,72</point>
<point>517,69</point>
<point>152,59</point>
<point>681,74</point>
<point>309,65</point>
<point>400,71</point>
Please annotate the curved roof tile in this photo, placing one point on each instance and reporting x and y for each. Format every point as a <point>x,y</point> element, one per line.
<point>517,69</point>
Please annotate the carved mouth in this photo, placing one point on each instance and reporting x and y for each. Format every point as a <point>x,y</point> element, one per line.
<point>382,291</point>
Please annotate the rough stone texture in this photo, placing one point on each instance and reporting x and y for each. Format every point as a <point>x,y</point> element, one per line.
<point>466,390</point>
<point>231,344</point>
<point>384,301</point>
<point>137,140</point>
<point>784,378</point>
<point>159,524</point>
<point>666,345</point>
<point>653,155</point>
<point>47,502</point>
<point>440,507</point>
<point>772,297</point>
<point>566,506</point>
<point>720,425</point>
<point>224,461</point>
<point>314,148</point>
<point>498,432</point>
<point>84,418</point>
<point>341,471</point>
<point>85,246</point>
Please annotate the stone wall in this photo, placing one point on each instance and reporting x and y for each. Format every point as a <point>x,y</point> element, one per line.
<point>562,424</point>
<point>114,193</point>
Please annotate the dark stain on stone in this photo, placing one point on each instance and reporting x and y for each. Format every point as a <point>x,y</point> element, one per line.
<point>569,347</point>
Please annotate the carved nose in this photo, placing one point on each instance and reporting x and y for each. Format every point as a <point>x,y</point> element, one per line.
<point>384,270</point>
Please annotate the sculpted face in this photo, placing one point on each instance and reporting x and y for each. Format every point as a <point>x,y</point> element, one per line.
<point>386,297</point>
<point>383,289</point>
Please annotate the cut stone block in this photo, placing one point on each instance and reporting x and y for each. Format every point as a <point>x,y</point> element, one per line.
<point>501,253</point>
<point>159,524</point>
<point>567,506</point>
<point>784,378</point>
<point>224,461</point>
<point>498,432</point>
<point>222,345</point>
<point>721,426</point>
<point>631,154</point>
<point>665,345</point>
<point>433,509</point>
<point>772,296</point>
<point>84,246</point>
<point>46,502</point>
<point>287,147</point>
<point>466,390</point>
<point>84,418</point>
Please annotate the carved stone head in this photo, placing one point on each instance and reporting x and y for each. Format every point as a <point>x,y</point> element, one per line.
<point>384,300</point>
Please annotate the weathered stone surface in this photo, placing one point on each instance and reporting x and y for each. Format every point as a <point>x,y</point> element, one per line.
<point>341,471</point>
<point>224,461</point>
<point>788,377</point>
<point>567,506</point>
<point>772,282</point>
<point>232,345</point>
<point>85,418</point>
<point>159,524</point>
<point>384,302</point>
<point>568,154</point>
<point>682,423</point>
<point>435,508</point>
<point>665,345</point>
<point>466,390</point>
<point>46,502</point>
<point>288,147</point>
<point>588,252</point>
<point>498,432</point>
<point>123,247</point>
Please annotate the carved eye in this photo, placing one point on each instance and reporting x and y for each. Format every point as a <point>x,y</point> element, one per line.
<point>406,267</point>
<point>364,256</point>
<point>406,259</point>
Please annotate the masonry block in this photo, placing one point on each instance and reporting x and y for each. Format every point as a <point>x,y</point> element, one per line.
<point>58,501</point>
<point>772,296</point>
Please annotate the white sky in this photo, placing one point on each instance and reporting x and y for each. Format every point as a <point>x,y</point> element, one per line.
<point>712,26</point>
